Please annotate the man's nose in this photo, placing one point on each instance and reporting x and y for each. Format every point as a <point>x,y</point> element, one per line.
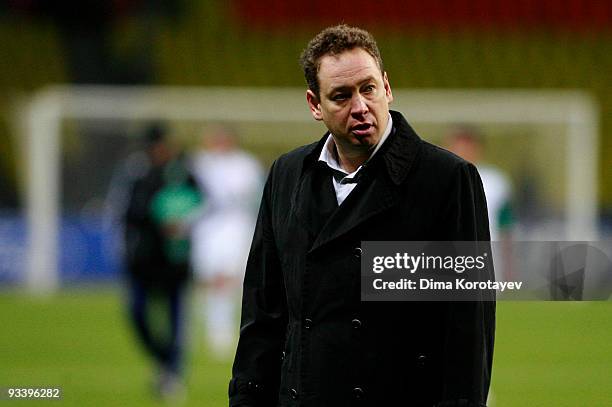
<point>358,105</point>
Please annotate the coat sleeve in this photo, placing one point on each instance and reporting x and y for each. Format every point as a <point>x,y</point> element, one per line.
<point>256,370</point>
<point>470,326</point>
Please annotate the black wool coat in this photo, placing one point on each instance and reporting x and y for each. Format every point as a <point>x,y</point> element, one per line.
<point>306,339</point>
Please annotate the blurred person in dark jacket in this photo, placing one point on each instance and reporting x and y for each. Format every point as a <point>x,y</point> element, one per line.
<point>162,202</point>
<point>306,339</point>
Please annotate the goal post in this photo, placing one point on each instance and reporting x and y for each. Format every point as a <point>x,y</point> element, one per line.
<point>573,111</point>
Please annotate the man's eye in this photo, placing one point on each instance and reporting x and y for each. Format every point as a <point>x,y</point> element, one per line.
<point>368,88</point>
<point>340,96</point>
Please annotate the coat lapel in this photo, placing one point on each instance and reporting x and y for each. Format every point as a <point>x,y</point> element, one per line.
<point>365,201</point>
<point>314,200</point>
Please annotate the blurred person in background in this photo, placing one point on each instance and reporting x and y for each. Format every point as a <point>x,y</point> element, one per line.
<point>306,338</point>
<point>468,143</point>
<point>231,179</point>
<point>161,202</point>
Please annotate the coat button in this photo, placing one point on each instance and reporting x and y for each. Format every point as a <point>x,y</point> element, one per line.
<point>308,323</point>
<point>293,393</point>
<point>358,393</point>
<point>357,252</point>
<point>252,387</point>
<point>421,359</point>
<point>356,323</point>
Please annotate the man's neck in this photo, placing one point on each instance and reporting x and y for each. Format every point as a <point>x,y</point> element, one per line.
<point>351,160</point>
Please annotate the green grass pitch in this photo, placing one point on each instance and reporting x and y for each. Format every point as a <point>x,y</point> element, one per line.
<point>547,354</point>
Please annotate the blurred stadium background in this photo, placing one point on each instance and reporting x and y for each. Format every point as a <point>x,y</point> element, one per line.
<point>548,354</point>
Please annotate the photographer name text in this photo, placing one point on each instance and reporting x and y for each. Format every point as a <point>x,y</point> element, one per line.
<point>457,284</point>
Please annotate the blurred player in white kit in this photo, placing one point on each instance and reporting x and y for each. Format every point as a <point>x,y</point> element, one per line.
<point>232,180</point>
<point>468,143</point>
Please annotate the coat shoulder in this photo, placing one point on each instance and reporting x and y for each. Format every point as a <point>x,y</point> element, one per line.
<point>297,155</point>
<point>444,171</point>
<point>290,164</point>
<point>285,173</point>
<point>442,159</point>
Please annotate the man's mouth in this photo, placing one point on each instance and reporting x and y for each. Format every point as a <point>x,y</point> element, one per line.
<point>362,129</point>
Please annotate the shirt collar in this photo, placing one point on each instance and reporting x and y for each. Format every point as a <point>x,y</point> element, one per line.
<point>329,156</point>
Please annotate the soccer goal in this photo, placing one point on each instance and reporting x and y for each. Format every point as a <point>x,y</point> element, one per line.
<point>546,141</point>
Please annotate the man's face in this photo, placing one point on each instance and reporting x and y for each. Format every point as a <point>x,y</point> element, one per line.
<point>353,100</point>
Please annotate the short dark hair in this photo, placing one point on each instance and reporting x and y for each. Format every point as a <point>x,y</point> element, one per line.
<point>155,133</point>
<point>467,132</point>
<point>333,41</point>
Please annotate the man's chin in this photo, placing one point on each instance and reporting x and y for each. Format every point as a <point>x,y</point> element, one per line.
<point>367,140</point>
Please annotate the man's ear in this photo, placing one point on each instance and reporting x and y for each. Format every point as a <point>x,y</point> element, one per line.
<point>388,92</point>
<point>314,105</point>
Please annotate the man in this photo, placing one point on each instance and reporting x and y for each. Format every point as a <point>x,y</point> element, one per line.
<point>306,339</point>
<point>232,181</point>
<point>469,144</point>
<point>162,198</point>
